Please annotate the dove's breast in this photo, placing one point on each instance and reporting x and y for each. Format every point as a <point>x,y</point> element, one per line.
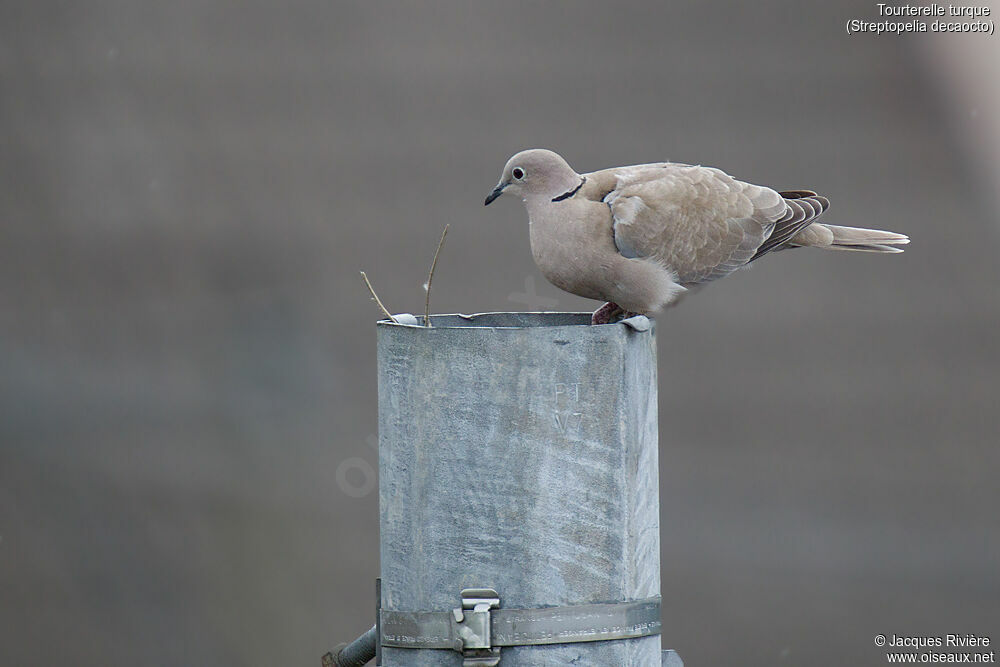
<point>573,245</point>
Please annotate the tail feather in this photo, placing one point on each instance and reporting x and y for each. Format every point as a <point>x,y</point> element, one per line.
<point>868,247</point>
<point>834,237</point>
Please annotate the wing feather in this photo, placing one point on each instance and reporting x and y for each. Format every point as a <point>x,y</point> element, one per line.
<point>699,222</point>
<point>804,206</point>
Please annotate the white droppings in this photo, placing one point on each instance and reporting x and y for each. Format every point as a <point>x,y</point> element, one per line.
<point>407,318</point>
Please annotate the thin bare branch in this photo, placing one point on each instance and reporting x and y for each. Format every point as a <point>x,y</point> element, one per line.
<point>430,278</point>
<point>378,300</point>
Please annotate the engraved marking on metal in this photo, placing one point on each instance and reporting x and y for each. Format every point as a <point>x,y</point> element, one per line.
<point>567,390</point>
<point>568,422</point>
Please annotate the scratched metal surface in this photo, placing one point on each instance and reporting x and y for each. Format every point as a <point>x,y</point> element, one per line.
<point>523,457</point>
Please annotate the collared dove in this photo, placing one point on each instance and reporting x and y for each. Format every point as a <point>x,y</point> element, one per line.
<point>640,236</point>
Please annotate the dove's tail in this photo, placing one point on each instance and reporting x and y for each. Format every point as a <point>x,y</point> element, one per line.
<point>832,237</point>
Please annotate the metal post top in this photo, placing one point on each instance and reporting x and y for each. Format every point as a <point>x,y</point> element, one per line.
<point>488,423</point>
<point>515,320</point>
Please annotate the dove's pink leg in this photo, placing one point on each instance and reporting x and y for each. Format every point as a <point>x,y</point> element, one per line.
<point>606,313</point>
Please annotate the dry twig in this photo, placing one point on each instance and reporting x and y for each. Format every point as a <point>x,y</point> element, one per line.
<point>430,277</point>
<point>378,300</point>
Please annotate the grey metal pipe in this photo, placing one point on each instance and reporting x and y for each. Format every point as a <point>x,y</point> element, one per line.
<point>358,653</point>
<point>518,451</point>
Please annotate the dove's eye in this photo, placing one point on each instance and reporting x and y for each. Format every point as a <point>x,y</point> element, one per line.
<point>517,173</point>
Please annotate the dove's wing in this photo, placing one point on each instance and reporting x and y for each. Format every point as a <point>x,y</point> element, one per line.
<point>804,206</point>
<point>699,222</point>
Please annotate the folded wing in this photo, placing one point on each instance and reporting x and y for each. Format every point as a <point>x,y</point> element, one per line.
<point>699,222</point>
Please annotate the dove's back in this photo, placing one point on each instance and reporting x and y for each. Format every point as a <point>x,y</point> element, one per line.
<point>703,224</point>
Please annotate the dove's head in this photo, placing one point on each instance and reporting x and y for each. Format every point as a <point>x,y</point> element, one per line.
<point>535,172</point>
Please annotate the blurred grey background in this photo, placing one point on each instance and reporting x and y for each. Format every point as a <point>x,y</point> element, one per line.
<point>187,193</point>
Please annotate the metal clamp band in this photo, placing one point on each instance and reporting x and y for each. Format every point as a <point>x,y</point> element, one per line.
<point>473,627</point>
<point>577,623</point>
<point>480,628</point>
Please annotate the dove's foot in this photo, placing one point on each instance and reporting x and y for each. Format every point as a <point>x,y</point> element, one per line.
<point>607,313</point>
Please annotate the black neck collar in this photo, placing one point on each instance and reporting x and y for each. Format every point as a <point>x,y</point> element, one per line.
<point>567,195</point>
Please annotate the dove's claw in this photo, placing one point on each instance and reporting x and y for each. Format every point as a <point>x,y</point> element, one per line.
<point>606,313</point>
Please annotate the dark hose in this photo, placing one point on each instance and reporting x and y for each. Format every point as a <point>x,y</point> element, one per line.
<point>356,654</point>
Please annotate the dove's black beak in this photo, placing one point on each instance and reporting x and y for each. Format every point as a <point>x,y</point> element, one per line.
<point>497,191</point>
